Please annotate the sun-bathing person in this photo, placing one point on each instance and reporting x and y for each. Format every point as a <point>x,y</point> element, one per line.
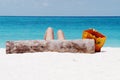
<point>49,35</point>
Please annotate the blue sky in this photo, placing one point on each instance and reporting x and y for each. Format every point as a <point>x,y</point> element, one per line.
<point>60,7</point>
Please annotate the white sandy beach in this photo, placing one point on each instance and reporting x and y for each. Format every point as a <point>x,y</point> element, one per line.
<point>61,66</point>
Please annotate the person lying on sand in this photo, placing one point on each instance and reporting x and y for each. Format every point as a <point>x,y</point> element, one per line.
<point>49,35</point>
<point>91,43</point>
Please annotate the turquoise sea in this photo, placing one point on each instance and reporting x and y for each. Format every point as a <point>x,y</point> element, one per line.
<point>33,27</point>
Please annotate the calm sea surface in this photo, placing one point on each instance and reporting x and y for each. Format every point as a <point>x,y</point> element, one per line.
<point>34,27</point>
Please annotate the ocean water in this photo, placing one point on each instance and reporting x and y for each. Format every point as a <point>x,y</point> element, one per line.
<point>34,27</point>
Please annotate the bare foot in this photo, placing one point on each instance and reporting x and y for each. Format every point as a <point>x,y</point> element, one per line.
<point>49,35</point>
<point>60,35</point>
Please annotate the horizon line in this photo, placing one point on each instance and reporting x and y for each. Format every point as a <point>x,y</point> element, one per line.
<point>56,16</point>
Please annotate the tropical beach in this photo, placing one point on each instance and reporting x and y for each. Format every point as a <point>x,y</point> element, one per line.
<point>103,65</point>
<point>59,39</point>
<point>58,65</point>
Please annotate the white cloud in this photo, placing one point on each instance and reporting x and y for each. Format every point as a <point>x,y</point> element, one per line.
<point>45,4</point>
<point>59,7</point>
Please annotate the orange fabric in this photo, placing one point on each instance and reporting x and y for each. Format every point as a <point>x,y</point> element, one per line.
<point>98,37</point>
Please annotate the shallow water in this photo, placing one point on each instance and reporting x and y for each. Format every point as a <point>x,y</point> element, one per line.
<point>33,27</point>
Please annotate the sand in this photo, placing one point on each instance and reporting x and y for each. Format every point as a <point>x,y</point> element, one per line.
<point>61,66</point>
